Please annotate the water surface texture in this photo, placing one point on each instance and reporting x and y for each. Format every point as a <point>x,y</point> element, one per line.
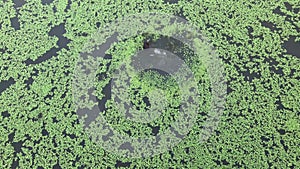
<point>42,41</point>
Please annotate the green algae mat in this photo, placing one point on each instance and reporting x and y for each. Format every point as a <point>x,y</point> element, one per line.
<point>149,84</point>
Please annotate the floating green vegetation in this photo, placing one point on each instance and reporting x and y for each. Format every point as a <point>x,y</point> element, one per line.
<point>258,42</point>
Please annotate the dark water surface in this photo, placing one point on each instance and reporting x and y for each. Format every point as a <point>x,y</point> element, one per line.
<point>291,46</point>
<point>62,42</point>
<point>5,84</point>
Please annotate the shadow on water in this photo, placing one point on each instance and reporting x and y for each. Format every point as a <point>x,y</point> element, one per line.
<point>161,72</point>
<point>93,114</point>
<point>169,44</point>
<point>62,42</point>
<point>165,43</point>
<point>100,52</point>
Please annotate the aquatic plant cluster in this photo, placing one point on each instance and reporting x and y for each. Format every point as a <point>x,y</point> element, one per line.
<point>41,44</point>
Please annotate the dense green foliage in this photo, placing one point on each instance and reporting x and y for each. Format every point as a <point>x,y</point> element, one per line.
<point>259,128</point>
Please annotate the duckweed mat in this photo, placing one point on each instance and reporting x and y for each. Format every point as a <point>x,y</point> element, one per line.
<point>258,43</point>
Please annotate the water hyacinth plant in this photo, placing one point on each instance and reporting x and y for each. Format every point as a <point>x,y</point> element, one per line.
<point>48,122</point>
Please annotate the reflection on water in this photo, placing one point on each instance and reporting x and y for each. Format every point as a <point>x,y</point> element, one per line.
<point>291,46</point>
